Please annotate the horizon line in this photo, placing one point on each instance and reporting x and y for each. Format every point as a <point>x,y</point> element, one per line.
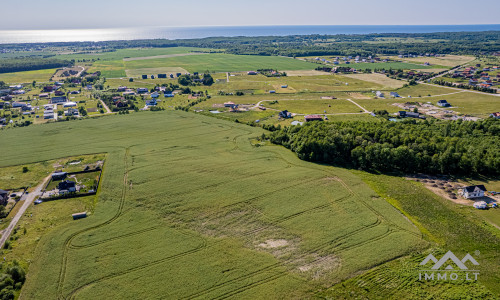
<point>251,25</point>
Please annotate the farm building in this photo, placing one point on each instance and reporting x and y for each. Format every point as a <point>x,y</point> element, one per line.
<point>155,95</point>
<point>310,118</point>
<point>480,205</point>
<point>379,94</point>
<point>473,191</point>
<point>395,95</point>
<point>252,73</point>
<point>272,92</point>
<point>443,103</point>
<point>495,115</point>
<point>230,104</point>
<point>79,215</point>
<point>284,86</point>
<point>162,75</point>
<point>121,89</point>
<point>142,90</point>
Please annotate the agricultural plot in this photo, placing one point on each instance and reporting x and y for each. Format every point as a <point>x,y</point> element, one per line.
<point>227,218</point>
<point>336,106</point>
<point>389,65</point>
<point>317,83</point>
<point>386,82</point>
<point>154,71</point>
<point>27,76</point>
<point>120,54</point>
<point>222,63</point>
<point>447,61</point>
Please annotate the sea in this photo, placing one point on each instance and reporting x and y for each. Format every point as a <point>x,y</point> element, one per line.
<point>174,33</point>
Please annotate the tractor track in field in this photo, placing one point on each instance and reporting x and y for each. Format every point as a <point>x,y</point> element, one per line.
<point>335,243</point>
<point>69,240</point>
<point>200,247</point>
<point>71,246</point>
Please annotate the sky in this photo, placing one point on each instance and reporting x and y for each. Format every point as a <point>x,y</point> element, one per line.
<point>59,14</point>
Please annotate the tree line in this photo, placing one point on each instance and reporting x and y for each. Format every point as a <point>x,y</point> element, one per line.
<point>430,146</point>
<point>31,64</point>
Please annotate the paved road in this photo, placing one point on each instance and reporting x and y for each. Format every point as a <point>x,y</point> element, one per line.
<point>27,202</point>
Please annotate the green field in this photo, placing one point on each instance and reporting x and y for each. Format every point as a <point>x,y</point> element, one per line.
<point>231,218</point>
<point>390,65</point>
<point>315,106</point>
<point>120,54</point>
<point>27,76</point>
<point>202,63</point>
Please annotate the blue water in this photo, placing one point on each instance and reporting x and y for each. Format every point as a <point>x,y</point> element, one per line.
<point>172,33</point>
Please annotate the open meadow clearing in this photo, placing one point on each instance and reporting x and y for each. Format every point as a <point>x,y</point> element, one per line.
<point>335,106</point>
<point>230,218</point>
<point>381,79</point>
<point>447,61</point>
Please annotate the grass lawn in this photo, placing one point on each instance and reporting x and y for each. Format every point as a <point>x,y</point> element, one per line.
<point>231,217</point>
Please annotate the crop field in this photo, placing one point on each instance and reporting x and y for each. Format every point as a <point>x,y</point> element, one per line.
<point>27,76</point>
<point>198,209</point>
<point>155,71</point>
<point>223,63</point>
<point>202,63</point>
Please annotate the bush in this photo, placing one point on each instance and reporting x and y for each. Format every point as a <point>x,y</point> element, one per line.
<point>25,170</point>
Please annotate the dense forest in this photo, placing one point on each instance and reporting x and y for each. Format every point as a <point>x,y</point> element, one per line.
<point>431,146</point>
<point>30,64</point>
<point>486,42</point>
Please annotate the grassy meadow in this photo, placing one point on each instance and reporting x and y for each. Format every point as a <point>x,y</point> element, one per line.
<point>232,217</point>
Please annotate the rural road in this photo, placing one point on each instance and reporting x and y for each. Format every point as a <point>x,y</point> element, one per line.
<point>108,111</point>
<point>27,202</point>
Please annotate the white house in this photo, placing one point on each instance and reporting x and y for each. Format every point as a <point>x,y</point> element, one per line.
<point>473,191</point>
<point>379,94</point>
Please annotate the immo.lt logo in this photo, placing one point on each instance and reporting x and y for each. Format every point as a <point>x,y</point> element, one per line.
<point>449,267</point>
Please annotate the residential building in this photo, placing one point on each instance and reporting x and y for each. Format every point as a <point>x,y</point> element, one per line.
<point>443,103</point>
<point>473,191</point>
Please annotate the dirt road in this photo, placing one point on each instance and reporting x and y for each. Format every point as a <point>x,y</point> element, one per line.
<point>27,202</point>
